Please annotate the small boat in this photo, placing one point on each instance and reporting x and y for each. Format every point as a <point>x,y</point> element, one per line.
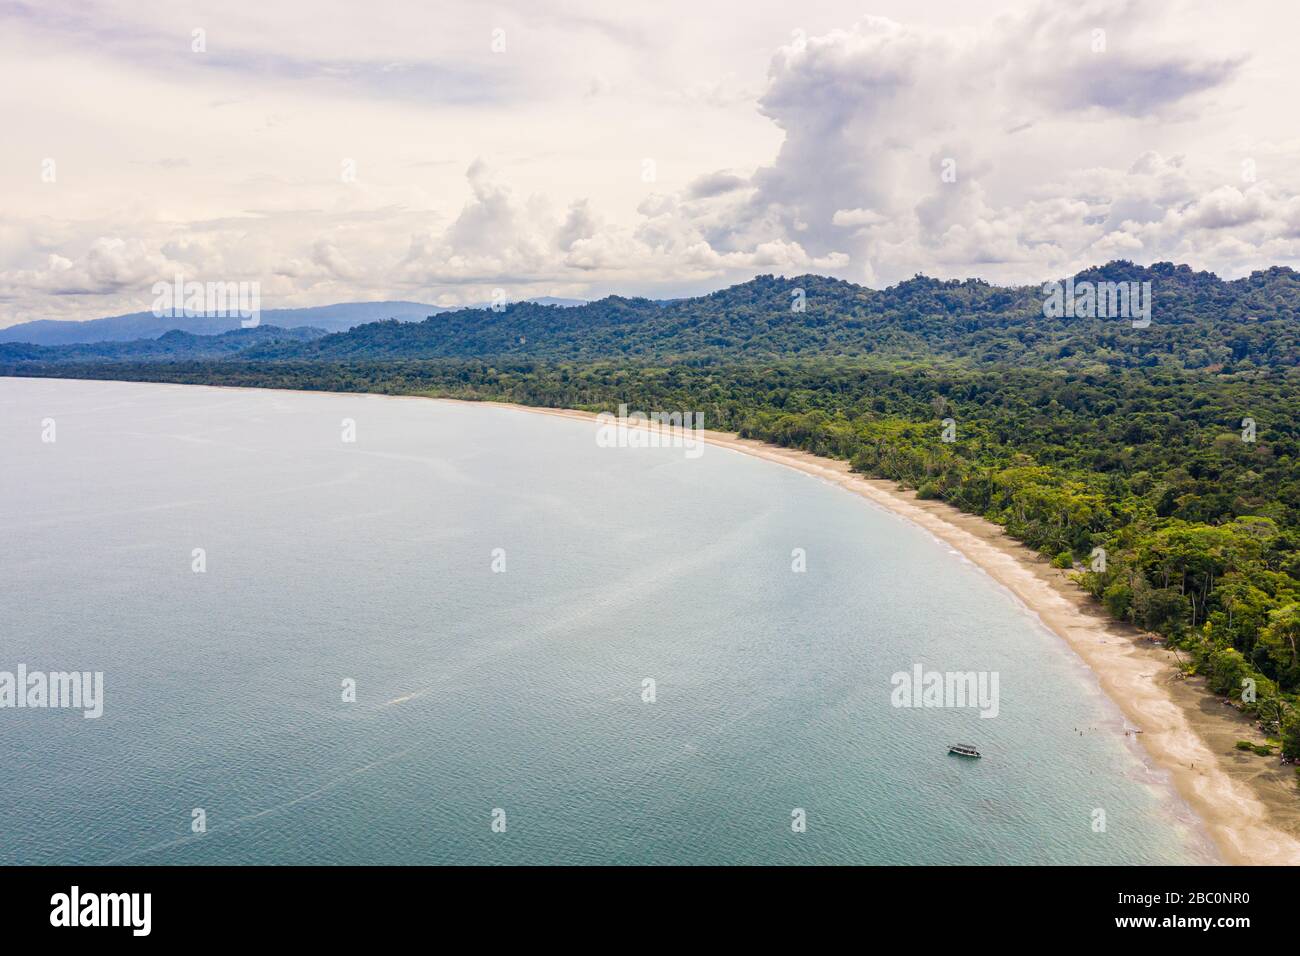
<point>964,750</point>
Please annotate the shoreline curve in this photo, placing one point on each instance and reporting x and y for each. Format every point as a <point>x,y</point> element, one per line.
<point>1250,812</point>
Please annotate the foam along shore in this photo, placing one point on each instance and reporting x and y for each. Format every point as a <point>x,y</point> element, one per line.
<point>1249,805</point>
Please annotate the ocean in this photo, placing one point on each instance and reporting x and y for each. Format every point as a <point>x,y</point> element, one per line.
<point>471,635</point>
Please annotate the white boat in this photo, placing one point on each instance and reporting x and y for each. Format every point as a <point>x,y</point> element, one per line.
<point>964,750</point>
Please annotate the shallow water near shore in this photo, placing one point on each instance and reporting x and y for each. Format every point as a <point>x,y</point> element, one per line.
<point>519,691</point>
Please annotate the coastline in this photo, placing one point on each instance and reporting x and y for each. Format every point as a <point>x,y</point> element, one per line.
<point>1248,805</point>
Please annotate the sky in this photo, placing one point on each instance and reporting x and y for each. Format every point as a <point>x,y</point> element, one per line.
<point>337,151</point>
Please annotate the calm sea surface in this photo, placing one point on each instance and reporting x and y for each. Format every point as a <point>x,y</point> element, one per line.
<point>519,691</point>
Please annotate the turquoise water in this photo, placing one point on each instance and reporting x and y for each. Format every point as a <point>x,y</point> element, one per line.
<point>520,691</point>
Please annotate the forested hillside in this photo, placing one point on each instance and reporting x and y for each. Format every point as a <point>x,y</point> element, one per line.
<point>171,345</point>
<point>1198,321</point>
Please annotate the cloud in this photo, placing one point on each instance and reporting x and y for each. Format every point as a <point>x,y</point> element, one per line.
<point>109,265</point>
<point>148,40</point>
<point>850,218</point>
<point>1227,206</point>
<point>892,131</point>
<point>579,225</point>
<point>1106,56</point>
<point>327,255</point>
<point>715,184</point>
<point>1016,148</point>
<point>501,237</point>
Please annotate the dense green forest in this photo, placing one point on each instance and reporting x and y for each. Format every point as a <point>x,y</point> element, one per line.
<point>1173,448</point>
<point>1198,322</point>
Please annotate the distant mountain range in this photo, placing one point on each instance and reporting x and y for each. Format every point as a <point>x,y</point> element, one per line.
<point>1198,321</point>
<point>146,325</point>
<point>170,345</point>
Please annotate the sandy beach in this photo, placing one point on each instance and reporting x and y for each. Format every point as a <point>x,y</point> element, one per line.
<point>1249,805</point>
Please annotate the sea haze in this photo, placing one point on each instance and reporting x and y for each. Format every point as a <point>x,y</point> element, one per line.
<point>522,691</point>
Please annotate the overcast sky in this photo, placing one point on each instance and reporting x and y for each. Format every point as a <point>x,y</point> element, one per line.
<point>337,150</point>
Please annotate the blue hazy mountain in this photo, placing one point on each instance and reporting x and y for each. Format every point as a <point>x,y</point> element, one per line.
<point>170,345</point>
<point>145,325</point>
